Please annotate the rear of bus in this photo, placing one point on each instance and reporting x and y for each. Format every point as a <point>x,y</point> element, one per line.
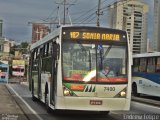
<point>85,52</point>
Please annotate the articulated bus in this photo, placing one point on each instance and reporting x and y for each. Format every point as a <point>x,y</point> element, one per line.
<point>65,69</point>
<point>146,74</point>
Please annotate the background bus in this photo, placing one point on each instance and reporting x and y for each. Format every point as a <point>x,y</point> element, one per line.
<point>65,69</point>
<point>146,74</point>
<point>18,68</point>
<point>4,71</point>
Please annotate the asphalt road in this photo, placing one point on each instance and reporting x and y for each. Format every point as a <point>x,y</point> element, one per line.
<point>36,110</point>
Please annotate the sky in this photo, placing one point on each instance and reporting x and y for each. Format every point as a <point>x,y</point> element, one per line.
<point>17,14</point>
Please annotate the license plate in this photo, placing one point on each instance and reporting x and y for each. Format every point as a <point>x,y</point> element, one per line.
<point>95,102</point>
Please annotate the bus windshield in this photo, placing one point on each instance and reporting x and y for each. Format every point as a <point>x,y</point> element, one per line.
<point>88,63</point>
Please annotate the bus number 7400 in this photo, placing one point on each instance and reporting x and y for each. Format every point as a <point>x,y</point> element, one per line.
<point>109,88</point>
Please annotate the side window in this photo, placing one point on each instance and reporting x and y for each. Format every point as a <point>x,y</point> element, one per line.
<point>42,51</point>
<point>50,49</point>
<point>47,58</point>
<point>34,54</point>
<point>43,55</point>
<point>143,63</point>
<point>34,60</point>
<point>158,65</point>
<point>45,50</point>
<point>38,53</point>
<point>136,63</point>
<point>151,65</point>
<point>56,51</point>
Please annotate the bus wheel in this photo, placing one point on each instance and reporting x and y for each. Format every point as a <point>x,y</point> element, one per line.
<point>134,90</point>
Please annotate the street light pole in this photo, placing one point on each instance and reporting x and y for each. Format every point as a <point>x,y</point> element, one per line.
<point>98,12</point>
<point>64,18</point>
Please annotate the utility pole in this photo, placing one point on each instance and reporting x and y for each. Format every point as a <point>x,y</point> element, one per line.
<point>98,12</point>
<point>64,10</point>
<point>64,17</point>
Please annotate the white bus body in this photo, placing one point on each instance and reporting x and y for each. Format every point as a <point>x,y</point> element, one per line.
<point>65,66</point>
<point>146,74</point>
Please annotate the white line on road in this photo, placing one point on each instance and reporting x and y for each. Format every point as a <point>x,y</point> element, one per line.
<point>29,107</point>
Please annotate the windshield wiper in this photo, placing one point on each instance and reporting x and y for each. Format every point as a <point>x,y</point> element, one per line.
<point>107,51</point>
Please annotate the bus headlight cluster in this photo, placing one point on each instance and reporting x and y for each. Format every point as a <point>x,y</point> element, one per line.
<point>67,92</point>
<point>122,93</point>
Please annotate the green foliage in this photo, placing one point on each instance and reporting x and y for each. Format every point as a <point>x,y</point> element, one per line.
<point>24,44</point>
<point>23,48</point>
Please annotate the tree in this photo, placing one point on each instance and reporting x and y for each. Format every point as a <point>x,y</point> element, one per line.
<point>23,48</point>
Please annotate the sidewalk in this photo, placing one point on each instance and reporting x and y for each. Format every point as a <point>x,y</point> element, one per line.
<point>9,109</point>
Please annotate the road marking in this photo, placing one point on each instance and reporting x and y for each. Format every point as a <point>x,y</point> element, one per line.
<point>29,107</point>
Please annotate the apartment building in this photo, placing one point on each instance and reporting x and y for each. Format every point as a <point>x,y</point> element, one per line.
<point>156,29</point>
<point>131,16</point>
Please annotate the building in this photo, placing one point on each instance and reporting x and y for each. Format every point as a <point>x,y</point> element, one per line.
<point>156,30</point>
<point>131,16</point>
<point>5,47</point>
<point>39,31</point>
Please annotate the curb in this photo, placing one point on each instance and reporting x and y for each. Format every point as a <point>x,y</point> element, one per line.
<point>146,101</point>
<point>24,106</point>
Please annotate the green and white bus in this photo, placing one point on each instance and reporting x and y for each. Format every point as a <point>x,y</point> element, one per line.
<point>65,69</point>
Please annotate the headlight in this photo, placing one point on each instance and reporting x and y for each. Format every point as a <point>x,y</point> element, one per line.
<point>123,93</point>
<point>67,92</point>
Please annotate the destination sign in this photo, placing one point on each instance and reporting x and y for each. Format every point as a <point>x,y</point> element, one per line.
<point>94,36</point>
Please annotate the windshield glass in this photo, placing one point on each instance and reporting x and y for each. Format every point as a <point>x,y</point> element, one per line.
<point>94,63</point>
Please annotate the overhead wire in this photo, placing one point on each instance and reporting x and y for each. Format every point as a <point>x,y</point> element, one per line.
<point>106,8</point>
<point>86,13</point>
<point>84,16</point>
<point>87,18</point>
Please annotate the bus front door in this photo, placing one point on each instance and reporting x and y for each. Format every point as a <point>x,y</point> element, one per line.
<point>55,56</point>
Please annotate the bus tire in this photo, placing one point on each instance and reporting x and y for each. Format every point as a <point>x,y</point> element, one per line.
<point>47,99</point>
<point>134,90</point>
